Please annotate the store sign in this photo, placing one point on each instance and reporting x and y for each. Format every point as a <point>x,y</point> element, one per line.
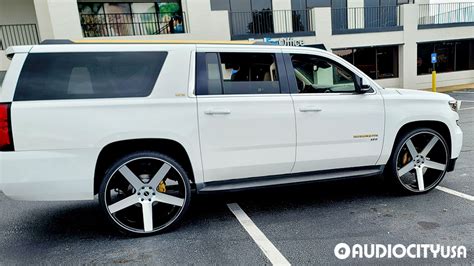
<point>285,41</point>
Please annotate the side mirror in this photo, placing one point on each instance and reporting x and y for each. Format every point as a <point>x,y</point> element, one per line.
<point>362,85</point>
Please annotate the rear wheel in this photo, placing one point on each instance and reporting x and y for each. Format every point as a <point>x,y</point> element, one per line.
<point>419,161</point>
<point>145,193</point>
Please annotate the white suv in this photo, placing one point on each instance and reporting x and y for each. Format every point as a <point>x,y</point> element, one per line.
<point>143,125</point>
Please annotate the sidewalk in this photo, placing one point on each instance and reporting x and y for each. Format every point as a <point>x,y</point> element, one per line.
<point>453,88</point>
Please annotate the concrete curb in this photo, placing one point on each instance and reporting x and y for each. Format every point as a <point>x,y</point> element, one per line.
<point>462,87</point>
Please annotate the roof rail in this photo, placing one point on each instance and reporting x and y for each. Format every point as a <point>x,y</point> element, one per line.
<point>58,41</point>
<point>124,41</point>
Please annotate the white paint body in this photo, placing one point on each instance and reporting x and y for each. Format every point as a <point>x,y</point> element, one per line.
<point>57,142</point>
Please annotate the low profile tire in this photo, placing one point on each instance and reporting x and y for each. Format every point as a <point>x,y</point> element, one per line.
<point>145,193</point>
<point>418,162</point>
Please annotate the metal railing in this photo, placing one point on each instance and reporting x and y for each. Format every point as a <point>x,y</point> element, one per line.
<point>130,24</point>
<point>18,34</point>
<point>366,19</point>
<point>448,13</point>
<point>264,23</point>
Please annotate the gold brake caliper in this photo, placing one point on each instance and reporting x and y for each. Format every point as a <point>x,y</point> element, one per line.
<point>162,187</point>
<point>405,158</point>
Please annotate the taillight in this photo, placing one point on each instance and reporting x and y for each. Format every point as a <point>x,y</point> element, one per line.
<point>6,140</point>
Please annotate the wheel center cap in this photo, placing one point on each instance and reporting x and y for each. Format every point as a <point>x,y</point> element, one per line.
<point>145,193</point>
<point>419,160</point>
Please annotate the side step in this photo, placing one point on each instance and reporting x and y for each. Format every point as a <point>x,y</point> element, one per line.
<point>267,181</point>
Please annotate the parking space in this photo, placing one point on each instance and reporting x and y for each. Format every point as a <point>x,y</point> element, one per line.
<point>305,224</point>
<point>302,223</point>
<point>72,232</point>
<point>462,179</point>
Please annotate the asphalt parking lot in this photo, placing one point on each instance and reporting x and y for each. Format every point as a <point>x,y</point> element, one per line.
<point>303,223</point>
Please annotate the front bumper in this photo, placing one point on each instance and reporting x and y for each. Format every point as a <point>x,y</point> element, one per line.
<point>451,165</point>
<point>456,142</point>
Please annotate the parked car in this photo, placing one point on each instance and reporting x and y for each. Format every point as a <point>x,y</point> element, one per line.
<point>146,125</point>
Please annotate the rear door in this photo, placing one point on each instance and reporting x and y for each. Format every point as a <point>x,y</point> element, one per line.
<point>246,115</point>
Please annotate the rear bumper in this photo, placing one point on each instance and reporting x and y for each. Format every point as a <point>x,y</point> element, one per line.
<point>48,175</point>
<point>451,165</point>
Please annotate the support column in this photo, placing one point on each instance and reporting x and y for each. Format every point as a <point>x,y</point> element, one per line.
<point>45,26</point>
<point>322,24</point>
<point>58,19</point>
<point>408,51</point>
<point>282,16</point>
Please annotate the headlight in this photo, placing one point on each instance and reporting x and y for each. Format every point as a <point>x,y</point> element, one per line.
<point>455,105</point>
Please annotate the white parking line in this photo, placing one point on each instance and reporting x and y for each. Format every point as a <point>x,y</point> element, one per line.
<point>272,253</point>
<point>455,193</point>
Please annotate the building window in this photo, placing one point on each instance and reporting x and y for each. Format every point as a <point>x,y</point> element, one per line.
<point>126,19</point>
<point>377,62</point>
<point>452,56</point>
<point>251,16</point>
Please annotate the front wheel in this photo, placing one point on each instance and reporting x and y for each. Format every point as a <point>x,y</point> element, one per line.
<point>145,193</point>
<point>419,161</point>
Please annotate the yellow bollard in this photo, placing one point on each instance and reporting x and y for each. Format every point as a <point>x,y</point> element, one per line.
<point>433,81</point>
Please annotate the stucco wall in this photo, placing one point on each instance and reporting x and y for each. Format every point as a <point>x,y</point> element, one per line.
<point>17,12</point>
<point>4,62</point>
<point>60,20</point>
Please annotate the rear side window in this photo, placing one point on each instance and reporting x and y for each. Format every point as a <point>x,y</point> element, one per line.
<point>208,74</point>
<point>237,73</point>
<point>56,76</point>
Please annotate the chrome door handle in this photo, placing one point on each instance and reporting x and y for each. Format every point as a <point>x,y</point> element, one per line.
<point>310,109</point>
<point>216,111</point>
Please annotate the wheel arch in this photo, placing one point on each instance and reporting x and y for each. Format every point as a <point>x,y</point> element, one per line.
<point>437,126</point>
<point>115,150</point>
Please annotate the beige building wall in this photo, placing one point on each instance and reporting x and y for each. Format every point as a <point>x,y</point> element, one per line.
<point>60,19</point>
<point>17,12</point>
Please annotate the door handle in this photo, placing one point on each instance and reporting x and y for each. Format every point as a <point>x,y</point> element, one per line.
<point>310,109</point>
<point>219,111</point>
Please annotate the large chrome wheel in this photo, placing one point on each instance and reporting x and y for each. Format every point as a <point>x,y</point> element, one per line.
<point>145,193</point>
<point>420,160</point>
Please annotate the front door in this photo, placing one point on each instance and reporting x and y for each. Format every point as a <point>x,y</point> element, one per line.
<point>246,115</point>
<point>336,127</point>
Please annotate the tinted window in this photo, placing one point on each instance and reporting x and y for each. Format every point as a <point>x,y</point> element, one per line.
<point>246,73</point>
<point>208,76</point>
<point>49,76</point>
<point>315,74</point>
<point>236,73</point>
